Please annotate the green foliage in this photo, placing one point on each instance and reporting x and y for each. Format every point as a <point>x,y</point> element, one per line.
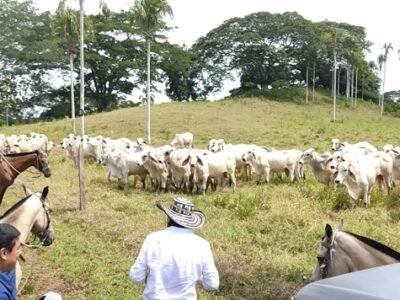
<point>393,109</point>
<point>276,50</point>
<point>178,65</point>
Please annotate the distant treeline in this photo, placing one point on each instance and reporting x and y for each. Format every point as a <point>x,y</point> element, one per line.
<point>266,51</point>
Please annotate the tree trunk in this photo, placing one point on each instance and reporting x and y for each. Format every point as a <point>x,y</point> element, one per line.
<point>380,94</point>
<point>307,83</point>
<point>352,85</point>
<point>82,203</point>
<point>347,81</point>
<point>71,65</point>
<point>338,82</point>
<point>148,92</point>
<point>356,88</point>
<point>334,83</point>
<point>383,90</point>
<point>313,83</point>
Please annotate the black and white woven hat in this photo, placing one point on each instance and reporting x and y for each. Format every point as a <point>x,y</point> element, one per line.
<point>182,213</point>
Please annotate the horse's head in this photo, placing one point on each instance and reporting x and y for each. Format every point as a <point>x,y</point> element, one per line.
<point>42,163</point>
<point>42,227</point>
<point>329,260</point>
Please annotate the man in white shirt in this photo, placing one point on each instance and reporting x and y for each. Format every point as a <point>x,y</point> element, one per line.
<point>173,260</point>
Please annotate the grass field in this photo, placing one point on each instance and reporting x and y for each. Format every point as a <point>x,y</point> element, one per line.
<point>264,237</point>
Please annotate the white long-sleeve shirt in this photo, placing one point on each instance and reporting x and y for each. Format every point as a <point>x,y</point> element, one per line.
<point>171,261</point>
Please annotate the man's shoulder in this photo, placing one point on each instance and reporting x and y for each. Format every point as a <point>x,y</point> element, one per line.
<point>156,235</point>
<point>201,239</point>
<point>175,231</point>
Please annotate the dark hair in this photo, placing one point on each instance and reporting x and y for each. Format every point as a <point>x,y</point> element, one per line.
<point>8,235</point>
<point>171,222</point>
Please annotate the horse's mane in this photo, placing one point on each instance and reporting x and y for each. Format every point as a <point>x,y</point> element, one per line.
<point>376,245</point>
<point>15,206</point>
<point>20,154</point>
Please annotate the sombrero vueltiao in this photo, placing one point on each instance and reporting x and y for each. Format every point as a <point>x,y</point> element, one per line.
<point>182,213</point>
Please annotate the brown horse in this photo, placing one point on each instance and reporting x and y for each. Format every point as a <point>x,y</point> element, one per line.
<point>11,165</point>
<point>344,252</point>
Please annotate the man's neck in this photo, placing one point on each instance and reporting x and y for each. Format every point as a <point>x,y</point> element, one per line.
<point>3,268</point>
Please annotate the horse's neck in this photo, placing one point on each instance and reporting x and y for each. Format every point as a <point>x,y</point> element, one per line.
<point>22,218</point>
<point>360,255</point>
<point>21,163</point>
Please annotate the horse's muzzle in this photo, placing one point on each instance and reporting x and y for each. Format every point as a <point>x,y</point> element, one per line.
<point>47,172</point>
<point>48,239</point>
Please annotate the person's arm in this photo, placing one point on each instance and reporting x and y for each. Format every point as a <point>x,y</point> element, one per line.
<point>138,271</point>
<point>210,280</point>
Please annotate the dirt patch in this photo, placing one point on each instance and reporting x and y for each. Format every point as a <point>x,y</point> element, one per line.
<point>38,279</point>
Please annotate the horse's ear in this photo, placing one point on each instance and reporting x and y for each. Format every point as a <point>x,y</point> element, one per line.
<point>44,193</point>
<point>27,190</point>
<point>328,231</point>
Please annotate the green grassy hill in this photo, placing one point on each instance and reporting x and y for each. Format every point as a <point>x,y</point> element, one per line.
<point>264,237</point>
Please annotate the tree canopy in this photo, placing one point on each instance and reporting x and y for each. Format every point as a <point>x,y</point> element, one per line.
<point>265,50</point>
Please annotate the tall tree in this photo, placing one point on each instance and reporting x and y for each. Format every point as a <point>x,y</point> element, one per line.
<point>386,48</point>
<point>380,68</point>
<point>28,51</point>
<point>68,28</point>
<point>114,61</point>
<point>148,16</point>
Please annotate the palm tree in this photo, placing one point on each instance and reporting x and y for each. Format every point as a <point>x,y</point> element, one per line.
<point>380,65</point>
<point>148,17</point>
<point>68,26</point>
<point>386,47</point>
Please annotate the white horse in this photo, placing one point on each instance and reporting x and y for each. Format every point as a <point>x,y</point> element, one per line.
<point>344,252</point>
<point>31,214</point>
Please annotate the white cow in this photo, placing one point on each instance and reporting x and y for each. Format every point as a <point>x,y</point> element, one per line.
<point>198,165</point>
<point>366,147</point>
<point>154,162</point>
<point>394,152</point>
<point>121,164</point>
<point>323,166</point>
<point>182,140</point>
<point>220,166</point>
<point>267,163</point>
<point>180,174</point>
<point>235,150</point>
<point>358,176</point>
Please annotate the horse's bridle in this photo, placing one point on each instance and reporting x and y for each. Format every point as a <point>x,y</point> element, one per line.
<point>40,163</point>
<point>324,258</point>
<point>43,235</point>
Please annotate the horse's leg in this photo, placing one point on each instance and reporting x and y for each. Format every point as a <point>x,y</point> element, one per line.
<point>143,179</point>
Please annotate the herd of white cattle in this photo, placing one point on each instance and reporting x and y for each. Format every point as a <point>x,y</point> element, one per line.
<point>357,166</point>
<point>25,143</point>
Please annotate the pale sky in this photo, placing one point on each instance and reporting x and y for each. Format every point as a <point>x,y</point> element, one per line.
<point>195,18</point>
